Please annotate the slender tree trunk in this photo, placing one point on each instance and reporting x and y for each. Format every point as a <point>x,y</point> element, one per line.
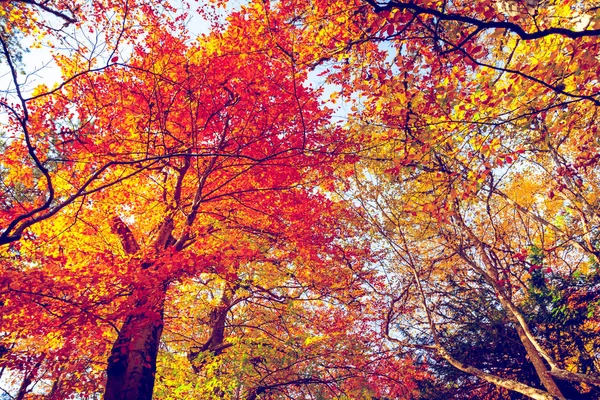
<point>539,365</point>
<point>509,384</point>
<point>535,353</point>
<point>55,391</point>
<point>132,364</point>
<point>29,377</point>
<point>218,319</point>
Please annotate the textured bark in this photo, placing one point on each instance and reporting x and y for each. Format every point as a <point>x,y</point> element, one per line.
<point>119,228</point>
<point>132,363</point>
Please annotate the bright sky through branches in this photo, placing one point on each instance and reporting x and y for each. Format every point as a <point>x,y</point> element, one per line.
<point>318,199</point>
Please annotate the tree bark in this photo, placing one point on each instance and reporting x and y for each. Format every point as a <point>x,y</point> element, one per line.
<point>575,377</point>
<point>536,353</point>
<point>509,384</point>
<point>498,381</point>
<point>539,365</point>
<point>132,364</point>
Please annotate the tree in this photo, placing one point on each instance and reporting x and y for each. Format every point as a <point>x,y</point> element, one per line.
<point>458,105</point>
<point>295,338</point>
<point>45,164</point>
<point>221,175</point>
<point>201,197</point>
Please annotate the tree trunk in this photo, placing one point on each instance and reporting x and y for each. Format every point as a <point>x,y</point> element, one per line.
<point>539,365</point>
<point>132,364</point>
<point>509,384</point>
<point>535,353</point>
<point>218,319</point>
<point>27,379</point>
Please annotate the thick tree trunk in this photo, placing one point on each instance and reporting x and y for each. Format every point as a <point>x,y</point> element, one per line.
<point>132,364</point>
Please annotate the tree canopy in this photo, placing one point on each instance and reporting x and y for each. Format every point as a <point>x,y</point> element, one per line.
<point>316,199</point>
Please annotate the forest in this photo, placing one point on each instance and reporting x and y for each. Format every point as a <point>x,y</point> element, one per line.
<point>299,199</point>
